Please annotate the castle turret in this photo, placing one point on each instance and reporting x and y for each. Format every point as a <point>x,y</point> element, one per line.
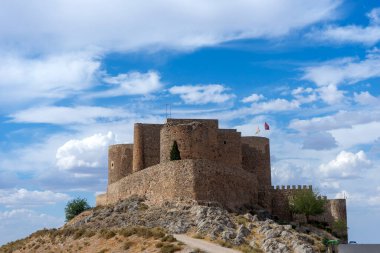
<point>256,158</point>
<point>195,139</point>
<point>146,149</point>
<point>119,161</point>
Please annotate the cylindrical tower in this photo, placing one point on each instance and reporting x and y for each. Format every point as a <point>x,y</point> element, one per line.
<point>195,141</point>
<point>119,161</point>
<point>256,158</point>
<point>138,147</point>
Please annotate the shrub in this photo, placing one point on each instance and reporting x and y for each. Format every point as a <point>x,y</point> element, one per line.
<point>79,233</point>
<point>307,202</point>
<point>106,234</point>
<point>127,245</point>
<point>170,248</point>
<point>159,245</point>
<point>174,153</point>
<point>168,238</point>
<point>75,207</point>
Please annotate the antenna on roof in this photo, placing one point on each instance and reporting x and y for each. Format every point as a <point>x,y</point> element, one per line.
<point>168,113</point>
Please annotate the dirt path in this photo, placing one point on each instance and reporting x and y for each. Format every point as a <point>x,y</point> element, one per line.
<point>203,245</point>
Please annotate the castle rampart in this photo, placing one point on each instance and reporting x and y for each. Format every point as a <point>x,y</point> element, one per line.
<point>184,180</point>
<point>280,199</point>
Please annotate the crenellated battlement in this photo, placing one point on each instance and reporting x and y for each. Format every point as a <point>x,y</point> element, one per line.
<point>292,187</point>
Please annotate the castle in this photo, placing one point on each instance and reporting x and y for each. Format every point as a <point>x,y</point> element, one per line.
<point>217,165</point>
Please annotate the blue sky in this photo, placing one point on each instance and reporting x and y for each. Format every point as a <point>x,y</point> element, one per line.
<point>76,75</point>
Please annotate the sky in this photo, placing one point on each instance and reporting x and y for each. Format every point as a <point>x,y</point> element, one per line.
<point>76,75</point>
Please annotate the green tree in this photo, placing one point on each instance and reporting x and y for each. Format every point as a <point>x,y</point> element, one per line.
<point>307,202</point>
<point>75,207</point>
<point>174,153</point>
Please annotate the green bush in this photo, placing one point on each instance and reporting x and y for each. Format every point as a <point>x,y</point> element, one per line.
<point>75,207</point>
<point>174,153</point>
<point>170,248</point>
<point>308,203</point>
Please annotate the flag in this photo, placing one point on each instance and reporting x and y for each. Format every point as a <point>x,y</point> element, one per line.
<point>258,130</point>
<point>266,126</point>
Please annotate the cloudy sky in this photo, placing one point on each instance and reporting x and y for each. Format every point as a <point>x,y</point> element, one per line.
<point>76,75</point>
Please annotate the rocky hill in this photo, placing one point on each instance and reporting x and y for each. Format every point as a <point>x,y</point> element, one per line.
<point>133,226</point>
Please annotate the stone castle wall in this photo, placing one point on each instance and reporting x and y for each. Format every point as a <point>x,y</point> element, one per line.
<point>335,209</point>
<point>196,140</point>
<point>187,180</point>
<point>120,158</point>
<point>229,147</point>
<point>280,199</point>
<point>146,148</point>
<point>256,158</point>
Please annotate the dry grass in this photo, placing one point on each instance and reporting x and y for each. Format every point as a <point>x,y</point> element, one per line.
<point>133,239</point>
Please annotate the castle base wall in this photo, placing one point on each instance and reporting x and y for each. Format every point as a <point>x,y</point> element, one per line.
<point>187,180</point>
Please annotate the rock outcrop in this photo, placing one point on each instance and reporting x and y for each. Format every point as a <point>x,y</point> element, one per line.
<point>209,221</point>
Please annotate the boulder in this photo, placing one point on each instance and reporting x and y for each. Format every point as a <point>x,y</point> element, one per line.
<point>228,234</point>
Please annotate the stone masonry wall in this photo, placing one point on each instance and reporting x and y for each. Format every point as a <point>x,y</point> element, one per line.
<point>280,200</point>
<point>335,209</point>
<point>195,140</point>
<point>256,158</point>
<point>119,161</point>
<point>229,147</point>
<point>211,123</point>
<point>186,180</point>
<point>146,148</point>
<point>232,187</point>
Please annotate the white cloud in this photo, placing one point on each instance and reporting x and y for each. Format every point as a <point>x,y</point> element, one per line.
<point>348,34</point>
<point>68,115</point>
<point>18,223</point>
<point>161,23</point>
<point>85,155</point>
<point>132,83</point>
<point>374,16</point>
<point>341,119</point>
<point>358,134</point>
<point>345,165</point>
<point>319,141</point>
<point>276,105</point>
<point>253,98</point>
<point>344,71</point>
<point>51,77</point>
<point>201,94</point>
<point>331,94</point>
<point>330,185</point>
<point>342,195</point>
<point>286,172</point>
<point>369,35</point>
<point>305,95</point>
<point>24,198</point>
<point>365,98</point>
